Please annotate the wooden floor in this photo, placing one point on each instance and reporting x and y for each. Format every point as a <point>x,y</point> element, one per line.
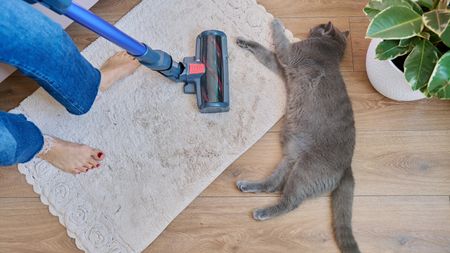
<point>401,166</point>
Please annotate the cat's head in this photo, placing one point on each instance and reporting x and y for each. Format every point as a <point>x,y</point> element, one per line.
<point>329,31</point>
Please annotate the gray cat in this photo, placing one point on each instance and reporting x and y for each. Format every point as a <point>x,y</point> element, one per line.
<point>318,137</point>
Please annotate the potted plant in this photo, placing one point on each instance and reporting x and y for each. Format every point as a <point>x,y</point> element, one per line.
<point>411,44</point>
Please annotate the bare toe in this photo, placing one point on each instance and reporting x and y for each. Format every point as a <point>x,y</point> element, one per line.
<point>92,162</point>
<point>84,169</point>
<point>98,155</point>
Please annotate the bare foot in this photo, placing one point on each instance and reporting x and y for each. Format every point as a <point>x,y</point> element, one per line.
<point>117,67</point>
<point>71,157</point>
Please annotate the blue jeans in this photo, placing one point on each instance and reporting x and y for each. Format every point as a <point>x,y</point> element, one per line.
<point>42,50</point>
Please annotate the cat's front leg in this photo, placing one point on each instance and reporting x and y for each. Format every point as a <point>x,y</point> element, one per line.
<point>250,186</point>
<point>262,54</point>
<point>281,42</point>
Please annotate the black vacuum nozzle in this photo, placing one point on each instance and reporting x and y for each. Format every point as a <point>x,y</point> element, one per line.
<point>206,74</point>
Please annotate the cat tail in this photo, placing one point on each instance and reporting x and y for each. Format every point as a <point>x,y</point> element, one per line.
<point>342,201</point>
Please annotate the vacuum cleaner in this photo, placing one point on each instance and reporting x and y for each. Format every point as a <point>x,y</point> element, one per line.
<point>205,74</point>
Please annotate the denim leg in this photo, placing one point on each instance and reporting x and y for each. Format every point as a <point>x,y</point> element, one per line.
<point>20,139</point>
<point>41,49</point>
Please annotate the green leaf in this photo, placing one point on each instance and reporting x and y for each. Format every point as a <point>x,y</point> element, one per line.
<point>439,84</point>
<point>436,20</point>
<point>434,38</point>
<point>425,91</point>
<point>370,12</point>
<point>389,49</point>
<point>420,63</point>
<point>416,7</point>
<point>395,22</point>
<point>376,6</point>
<point>405,42</point>
<point>426,3</point>
<point>445,36</point>
<point>424,35</point>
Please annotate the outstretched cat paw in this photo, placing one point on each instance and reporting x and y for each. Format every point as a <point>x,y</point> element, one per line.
<point>243,186</point>
<point>243,43</point>
<point>255,186</point>
<point>277,24</point>
<point>261,214</point>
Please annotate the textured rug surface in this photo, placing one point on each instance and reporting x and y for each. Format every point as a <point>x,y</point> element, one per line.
<point>160,151</point>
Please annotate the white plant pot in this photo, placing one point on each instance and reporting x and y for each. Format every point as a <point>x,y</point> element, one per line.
<point>387,79</point>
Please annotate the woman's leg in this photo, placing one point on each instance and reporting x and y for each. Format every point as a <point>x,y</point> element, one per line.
<point>42,50</point>
<point>21,140</point>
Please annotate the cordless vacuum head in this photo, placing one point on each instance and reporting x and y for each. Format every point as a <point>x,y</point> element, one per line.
<point>206,74</point>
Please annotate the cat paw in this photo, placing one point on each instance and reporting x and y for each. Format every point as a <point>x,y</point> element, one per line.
<point>242,186</point>
<point>241,42</point>
<point>277,24</point>
<point>261,214</point>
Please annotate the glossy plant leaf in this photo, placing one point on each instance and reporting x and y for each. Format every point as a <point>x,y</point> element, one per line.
<point>439,84</point>
<point>420,64</point>
<point>397,22</point>
<point>425,91</point>
<point>405,42</point>
<point>416,7</point>
<point>436,20</point>
<point>390,49</point>
<point>370,12</point>
<point>445,36</point>
<point>424,35</point>
<point>426,3</point>
<point>376,6</point>
<point>434,38</point>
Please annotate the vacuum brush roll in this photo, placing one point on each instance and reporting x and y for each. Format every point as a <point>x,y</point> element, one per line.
<point>214,86</point>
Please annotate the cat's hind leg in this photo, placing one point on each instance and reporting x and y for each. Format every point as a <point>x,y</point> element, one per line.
<point>271,184</point>
<point>262,54</point>
<point>306,179</point>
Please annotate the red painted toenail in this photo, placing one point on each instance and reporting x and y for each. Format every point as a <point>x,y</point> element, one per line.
<point>98,165</point>
<point>100,154</point>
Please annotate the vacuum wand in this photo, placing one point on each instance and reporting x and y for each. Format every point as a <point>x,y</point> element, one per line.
<point>205,74</point>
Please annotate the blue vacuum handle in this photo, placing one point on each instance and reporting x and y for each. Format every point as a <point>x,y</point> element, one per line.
<point>154,59</point>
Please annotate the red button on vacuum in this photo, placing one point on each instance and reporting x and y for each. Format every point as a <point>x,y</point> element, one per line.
<point>196,68</point>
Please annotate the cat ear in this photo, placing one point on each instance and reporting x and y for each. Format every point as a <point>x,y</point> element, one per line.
<point>346,33</point>
<point>329,28</point>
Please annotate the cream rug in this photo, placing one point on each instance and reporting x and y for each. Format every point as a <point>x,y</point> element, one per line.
<point>160,151</point>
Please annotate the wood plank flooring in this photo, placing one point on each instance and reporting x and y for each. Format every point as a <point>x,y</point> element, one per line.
<point>401,166</point>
